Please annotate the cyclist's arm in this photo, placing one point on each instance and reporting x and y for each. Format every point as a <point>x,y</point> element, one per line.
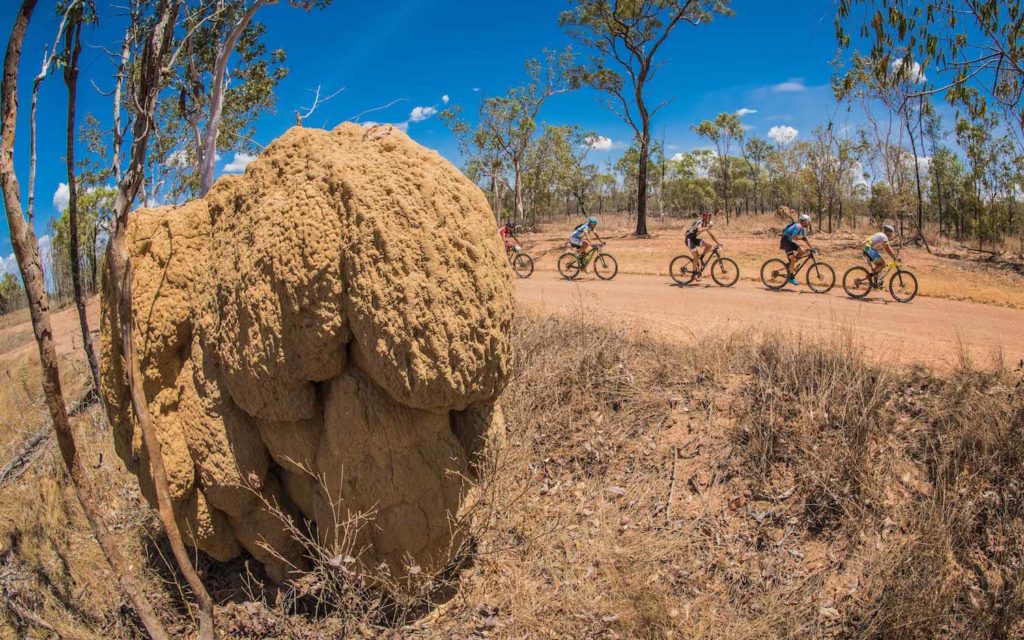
<point>888,249</point>
<point>806,241</point>
<point>713,236</point>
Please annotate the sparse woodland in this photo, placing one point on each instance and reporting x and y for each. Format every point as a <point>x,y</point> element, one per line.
<point>754,486</point>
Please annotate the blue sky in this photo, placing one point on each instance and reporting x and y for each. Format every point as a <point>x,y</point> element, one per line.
<point>771,57</point>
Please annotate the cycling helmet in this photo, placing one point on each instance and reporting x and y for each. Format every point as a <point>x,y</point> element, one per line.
<point>888,228</point>
<point>804,217</point>
<point>592,221</point>
<point>705,214</point>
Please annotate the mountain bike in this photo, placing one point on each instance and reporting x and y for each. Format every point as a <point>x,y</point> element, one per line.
<point>571,264</point>
<point>858,282</point>
<point>522,264</point>
<point>724,271</point>
<point>820,276</point>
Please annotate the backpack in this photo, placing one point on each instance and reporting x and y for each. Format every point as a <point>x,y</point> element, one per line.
<point>786,231</point>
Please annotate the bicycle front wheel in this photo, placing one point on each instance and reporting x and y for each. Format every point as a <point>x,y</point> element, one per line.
<point>903,286</point>
<point>821,277</point>
<point>605,266</point>
<point>725,272</point>
<point>522,265</point>
<point>569,266</point>
<point>774,274</point>
<point>857,282</point>
<point>681,270</point>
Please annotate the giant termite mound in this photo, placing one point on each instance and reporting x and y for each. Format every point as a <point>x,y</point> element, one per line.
<point>324,335</point>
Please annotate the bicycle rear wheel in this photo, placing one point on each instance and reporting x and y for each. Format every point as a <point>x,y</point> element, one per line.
<point>725,272</point>
<point>605,266</point>
<point>522,265</point>
<point>681,269</point>
<point>569,265</point>
<point>774,274</point>
<point>903,286</point>
<point>857,282</point>
<point>821,277</point>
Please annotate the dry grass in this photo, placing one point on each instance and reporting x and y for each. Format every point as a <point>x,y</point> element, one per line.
<point>753,487</point>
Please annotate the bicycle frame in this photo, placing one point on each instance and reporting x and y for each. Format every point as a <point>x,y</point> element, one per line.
<point>707,258</point>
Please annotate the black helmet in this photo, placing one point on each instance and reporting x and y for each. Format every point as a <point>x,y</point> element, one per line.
<point>509,224</point>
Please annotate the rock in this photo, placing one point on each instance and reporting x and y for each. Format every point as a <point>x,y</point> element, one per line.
<point>323,336</point>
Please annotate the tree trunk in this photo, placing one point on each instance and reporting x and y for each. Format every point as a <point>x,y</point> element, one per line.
<point>217,87</point>
<point>73,46</point>
<point>641,184</point>
<point>147,89</point>
<point>518,192</point>
<point>26,250</point>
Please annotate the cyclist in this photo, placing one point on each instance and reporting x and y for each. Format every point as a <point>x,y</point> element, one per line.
<point>873,247</point>
<point>507,231</point>
<point>580,238</point>
<point>694,240</point>
<point>790,234</point>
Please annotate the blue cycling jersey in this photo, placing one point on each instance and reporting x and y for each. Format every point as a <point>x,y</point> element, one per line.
<point>578,232</point>
<point>794,230</point>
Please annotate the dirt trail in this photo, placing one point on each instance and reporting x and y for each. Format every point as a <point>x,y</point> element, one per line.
<point>928,330</point>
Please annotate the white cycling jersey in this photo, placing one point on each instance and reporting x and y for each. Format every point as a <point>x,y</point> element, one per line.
<point>878,241</point>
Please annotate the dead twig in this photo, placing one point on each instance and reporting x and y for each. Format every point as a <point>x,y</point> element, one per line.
<point>671,486</point>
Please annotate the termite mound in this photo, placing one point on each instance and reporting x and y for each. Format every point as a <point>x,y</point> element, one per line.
<point>327,333</point>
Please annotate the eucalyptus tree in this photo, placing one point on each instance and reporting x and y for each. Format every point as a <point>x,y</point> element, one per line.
<point>26,251</point>
<point>627,36</point>
<point>977,45</point>
<point>509,122</point>
<point>756,152</point>
<point>724,131</point>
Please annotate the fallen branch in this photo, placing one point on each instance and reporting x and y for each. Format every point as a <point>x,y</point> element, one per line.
<point>671,487</point>
<point>27,452</point>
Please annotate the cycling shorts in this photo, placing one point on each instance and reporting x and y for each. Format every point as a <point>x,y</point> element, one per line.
<point>787,245</point>
<point>692,241</point>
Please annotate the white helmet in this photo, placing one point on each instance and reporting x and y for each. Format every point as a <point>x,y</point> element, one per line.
<point>804,217</point>
<point>889,228</point>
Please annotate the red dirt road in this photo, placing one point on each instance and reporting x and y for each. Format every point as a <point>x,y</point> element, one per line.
<point>928,330</point>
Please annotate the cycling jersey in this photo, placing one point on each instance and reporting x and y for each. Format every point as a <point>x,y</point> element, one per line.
<point>698,226</point>
<point>503,231</point>
<point>877,241</point>
<point>577,234</point>
<point>794,230</point>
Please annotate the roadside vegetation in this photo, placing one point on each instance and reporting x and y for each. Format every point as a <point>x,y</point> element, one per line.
<point>753,486</point>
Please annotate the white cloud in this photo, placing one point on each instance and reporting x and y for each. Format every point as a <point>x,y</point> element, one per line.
<point>61,197</point>
<point>745,111</point>
<point>239,163</point>
<point>600,143</point>
<point>9,265</point>
<point>913,73</point>
<point>401,126</point>
<point>444,99</point>
<point>476,89</point>
<point>678,157</point>
<point>783,134</point>
<point>790,86</point>
<point>177,158</point>
<point>419,114</point>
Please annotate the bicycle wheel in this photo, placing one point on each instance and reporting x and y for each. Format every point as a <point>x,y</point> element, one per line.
<point>774,274</point>
<point>522,264</point>
<point>681,269</point>
<point>725,272</point>
<point>821,277</point>
<point>903,286</point>
<point>569,266</point>
<point>857,282</point>
<point>605,266</point>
